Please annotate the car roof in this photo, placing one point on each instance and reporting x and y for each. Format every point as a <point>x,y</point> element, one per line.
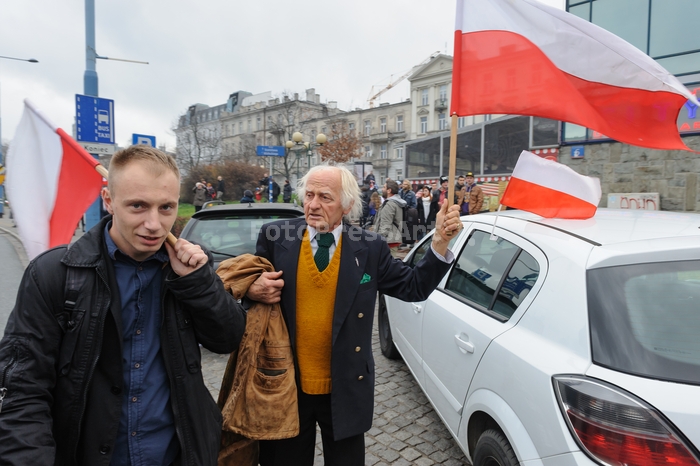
<point>612,226</point>
<point>265,207</point>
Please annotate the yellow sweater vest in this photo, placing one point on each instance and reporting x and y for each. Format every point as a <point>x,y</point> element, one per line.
<point>314,319</point>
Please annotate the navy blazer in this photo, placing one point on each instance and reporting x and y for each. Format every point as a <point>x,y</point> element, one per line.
<point>362,253</point>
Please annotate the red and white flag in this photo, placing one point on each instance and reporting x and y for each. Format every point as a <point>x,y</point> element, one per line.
<point>525,58</point>
<point>550,189</point>
<point>51,181</point>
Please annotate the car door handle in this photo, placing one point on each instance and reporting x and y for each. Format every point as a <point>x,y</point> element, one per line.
<point>417,308</point>
<point>465,346</point>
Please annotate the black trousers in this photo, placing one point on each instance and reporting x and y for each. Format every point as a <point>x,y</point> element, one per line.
<point>299,451</point>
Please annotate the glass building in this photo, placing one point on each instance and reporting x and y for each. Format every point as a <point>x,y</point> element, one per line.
<point>663,29</point>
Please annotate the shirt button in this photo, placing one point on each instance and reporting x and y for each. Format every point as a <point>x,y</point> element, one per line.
<point>360,315</point>
<point>138,332</point>
<point>357,349</point>
<point>104,449</point>
<point>360,377</point>
<point>134,399</point>
<point>140,268</point>
<point>137,365</point>
<point>116,390</point>
<point>133,434</point>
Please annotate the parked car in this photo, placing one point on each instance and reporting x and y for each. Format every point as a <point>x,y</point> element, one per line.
<point>232,229</point>
<point>562,342</point>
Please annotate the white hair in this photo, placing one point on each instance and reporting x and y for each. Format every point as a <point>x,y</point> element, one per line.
<point>349,190</point>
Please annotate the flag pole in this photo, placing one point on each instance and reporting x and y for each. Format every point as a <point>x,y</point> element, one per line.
<point>452,169</point>
<point>105,174</point>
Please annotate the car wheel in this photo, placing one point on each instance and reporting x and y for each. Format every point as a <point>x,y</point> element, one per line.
<point>386,342</point>
<point>493,449</point>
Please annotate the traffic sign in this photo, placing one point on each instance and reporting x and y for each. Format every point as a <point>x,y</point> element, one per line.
<point>270,151</point>
<point>143,139</point>
<point>99,149</point>
<point>2,174</point>
<point>94,118</point>
<point>578,152</point>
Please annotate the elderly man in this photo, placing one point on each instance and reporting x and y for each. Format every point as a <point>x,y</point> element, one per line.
<point>327,279</point>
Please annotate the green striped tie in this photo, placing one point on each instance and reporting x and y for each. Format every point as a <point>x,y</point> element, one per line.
<point>322,256</point>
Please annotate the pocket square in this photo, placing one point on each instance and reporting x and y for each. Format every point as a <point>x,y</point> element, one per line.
<point>365,278</point>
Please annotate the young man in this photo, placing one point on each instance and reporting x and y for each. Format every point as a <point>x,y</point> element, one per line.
<point>475,196</point>
<point>328,275</point>
<point>100,359</point>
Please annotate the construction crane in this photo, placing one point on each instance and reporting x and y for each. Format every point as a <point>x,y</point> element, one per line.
<point>374,97</point>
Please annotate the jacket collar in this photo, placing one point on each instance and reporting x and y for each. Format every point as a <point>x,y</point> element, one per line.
<point>88,250</point>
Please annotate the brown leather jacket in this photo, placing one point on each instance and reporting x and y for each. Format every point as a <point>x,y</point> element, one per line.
<point>259,398</point>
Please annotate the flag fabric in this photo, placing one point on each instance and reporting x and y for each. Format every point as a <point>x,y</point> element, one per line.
<point>550,189</point>
<point>51,181</point>
<point>525,58</point>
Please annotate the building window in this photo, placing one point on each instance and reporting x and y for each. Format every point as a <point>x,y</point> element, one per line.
<point>442,122</point>
<point>368,127</point>
<point>424,97</point>
<point>240,127</point>
<point>399,153</point>
<point>257,124</point>
<point>382,151</point>
<point>324,130</point>
<point>368,151</point>
<point>382,125</point>
<point>443,92</point>
<point>423,124</point>
<point>351,127</point>
<point>399,123</point>
<point>399,174</point>
<point>461,122</point>
<point>250,126</point>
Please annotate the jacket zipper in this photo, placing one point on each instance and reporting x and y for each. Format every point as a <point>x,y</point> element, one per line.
<point>5,372</point>
<point>98,346</point>
<point>168,362</point>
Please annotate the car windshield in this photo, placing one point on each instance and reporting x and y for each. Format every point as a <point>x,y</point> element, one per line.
<point>232,235</point>
<point>645,319</point>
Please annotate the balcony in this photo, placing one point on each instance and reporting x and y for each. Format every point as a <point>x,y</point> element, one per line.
<point>441,105</point>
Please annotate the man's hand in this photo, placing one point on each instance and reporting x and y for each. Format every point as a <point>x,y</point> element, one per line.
<point>267,288</point>
<point>186,257</point>
<point>446,221</point>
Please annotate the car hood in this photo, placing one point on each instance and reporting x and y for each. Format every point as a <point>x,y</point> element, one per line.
<point>677,401</point>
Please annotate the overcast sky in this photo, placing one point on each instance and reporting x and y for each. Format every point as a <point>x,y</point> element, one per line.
<point>200,52</point>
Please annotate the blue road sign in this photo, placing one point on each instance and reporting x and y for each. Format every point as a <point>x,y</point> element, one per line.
<point>578,152</point>
<point>143,139</point>
<point>94,118</point>
<point>270,151</point>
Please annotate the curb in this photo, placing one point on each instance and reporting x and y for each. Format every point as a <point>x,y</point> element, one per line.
<point>17,244</point>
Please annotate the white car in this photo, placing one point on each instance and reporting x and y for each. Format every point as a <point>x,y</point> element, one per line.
<point>562,342</point>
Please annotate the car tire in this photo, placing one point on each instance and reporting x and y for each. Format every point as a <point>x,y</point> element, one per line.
<point>493,449</point>
<point>386,342</point>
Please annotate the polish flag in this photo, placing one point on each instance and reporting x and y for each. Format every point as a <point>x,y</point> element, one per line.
<point>550,189</point>
<point>51,181</point>
<point>525,58</point>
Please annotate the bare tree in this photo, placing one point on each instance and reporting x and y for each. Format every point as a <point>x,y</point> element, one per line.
<point>343,143</point>
<point>197,143</point>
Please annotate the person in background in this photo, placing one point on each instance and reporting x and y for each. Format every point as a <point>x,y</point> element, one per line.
<point>101,358</point>
<point>220,188</point>
<point>390,216</point>
<point>211,193</point>
<point>440,194</point>
<point>407,194</point>
<point>258,194</point>
<point>287,192</point>
<point>328,273</point>
<point>427,212</point>
<point>475,195</point>
<point>459,183</point>
<point>200,196</point>
<point>247,197</point>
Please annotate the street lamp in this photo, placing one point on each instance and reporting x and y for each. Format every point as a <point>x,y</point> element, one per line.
<point>297,146</point>
<point>2,156</point>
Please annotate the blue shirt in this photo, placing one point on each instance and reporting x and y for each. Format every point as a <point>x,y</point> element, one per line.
<point>146,433</point>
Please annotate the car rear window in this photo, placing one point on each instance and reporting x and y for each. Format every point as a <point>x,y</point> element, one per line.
<point>645,319</point>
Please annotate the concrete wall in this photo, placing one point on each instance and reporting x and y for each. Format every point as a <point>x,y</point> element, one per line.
<point>627,169</point>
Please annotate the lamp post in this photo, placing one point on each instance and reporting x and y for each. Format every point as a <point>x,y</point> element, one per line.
<point>297,145</point>
<point>2,155</point>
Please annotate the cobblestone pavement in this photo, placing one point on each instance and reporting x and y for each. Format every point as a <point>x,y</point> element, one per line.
<point>405,431</point>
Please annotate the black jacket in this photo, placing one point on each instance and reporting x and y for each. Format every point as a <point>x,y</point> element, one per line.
<point>62,368</point>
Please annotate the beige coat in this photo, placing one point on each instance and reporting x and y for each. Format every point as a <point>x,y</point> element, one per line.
<point>258,396</point>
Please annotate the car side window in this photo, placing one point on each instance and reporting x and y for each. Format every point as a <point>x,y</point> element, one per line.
<point>495,276</point>
<point>423,249</point>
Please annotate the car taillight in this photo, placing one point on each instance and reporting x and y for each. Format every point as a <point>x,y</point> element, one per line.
<point>616,428</point>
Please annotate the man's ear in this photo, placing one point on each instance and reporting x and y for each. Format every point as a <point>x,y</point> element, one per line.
<point>107,199</point>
